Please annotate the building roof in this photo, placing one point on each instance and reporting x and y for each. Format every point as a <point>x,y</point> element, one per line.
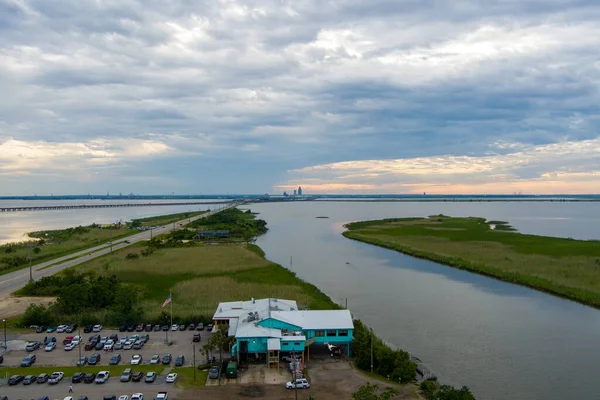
<point>316,319</point>
<point>242,309</point>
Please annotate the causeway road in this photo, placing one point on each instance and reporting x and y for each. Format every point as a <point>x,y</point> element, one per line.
<point>16,280</point>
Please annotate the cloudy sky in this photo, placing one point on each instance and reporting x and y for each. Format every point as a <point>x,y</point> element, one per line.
<point>354,96</point>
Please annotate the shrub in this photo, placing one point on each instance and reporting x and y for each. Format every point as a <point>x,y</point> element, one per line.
<point>35,314</point>
<point>132,256</point>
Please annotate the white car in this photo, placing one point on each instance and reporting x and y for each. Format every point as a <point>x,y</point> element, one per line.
<point>128,345</point>
<point>124,397</point>
<point>76,340</point>
<point>61,328</point>
<point>155,359</point>
<point>133,338</point>
<point>97,328</point>
<point>300,383</point>
<point>108,346</point>
<point>172,377</point>
<point>102,376</point>
<point>55,378</point>
<point>137,396</point>
<point>50,346</point>
<point>136,359</point>
<point>68,398</point>
<point>123,339</point>
<point>70,346</point>
<point>174,327</point>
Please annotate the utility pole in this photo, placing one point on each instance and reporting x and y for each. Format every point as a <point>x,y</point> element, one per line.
<point>5,347</point>
<point>294,372</point>
<point>110,237</point>
<point>194,347</point>
<point>371,350</point>
<point>79,345</point>
<point>30,269</point>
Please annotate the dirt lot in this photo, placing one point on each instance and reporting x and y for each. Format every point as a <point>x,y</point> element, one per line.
<point>12,306</point>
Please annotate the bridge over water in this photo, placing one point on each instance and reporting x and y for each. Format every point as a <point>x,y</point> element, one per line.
<point>114,205</point>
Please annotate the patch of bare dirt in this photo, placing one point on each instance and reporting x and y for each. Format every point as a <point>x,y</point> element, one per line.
<point>11,306</point>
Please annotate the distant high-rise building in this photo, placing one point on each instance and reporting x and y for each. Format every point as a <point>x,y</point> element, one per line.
<point>285,194</point>
<point>299,190</point>
<point>295,192</point>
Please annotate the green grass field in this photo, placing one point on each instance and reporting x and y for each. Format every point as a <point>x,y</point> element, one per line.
<point>55,247</point>
<point>565,267</point>
<point>114,370</point>
<point>185,377</point>
<point>203,275</point>
<point>167,219</point>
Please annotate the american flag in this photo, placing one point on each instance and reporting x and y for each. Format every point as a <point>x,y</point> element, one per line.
<point>167,301</point>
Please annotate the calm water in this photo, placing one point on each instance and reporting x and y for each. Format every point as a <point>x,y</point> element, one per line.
<point>501,340</point>
<point>14,226</point>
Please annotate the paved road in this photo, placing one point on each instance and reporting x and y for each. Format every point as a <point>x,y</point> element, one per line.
<point>17,279</point>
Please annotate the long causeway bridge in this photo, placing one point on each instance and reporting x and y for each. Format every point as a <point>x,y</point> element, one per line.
<point>114,205</point>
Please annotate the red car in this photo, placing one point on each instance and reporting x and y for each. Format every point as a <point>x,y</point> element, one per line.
<point>68,340</point>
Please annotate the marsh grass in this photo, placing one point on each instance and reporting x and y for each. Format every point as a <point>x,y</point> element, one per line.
<point>566,267</point>
<point>168,219</point>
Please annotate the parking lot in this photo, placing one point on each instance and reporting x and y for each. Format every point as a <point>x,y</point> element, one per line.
<point>58,359</point>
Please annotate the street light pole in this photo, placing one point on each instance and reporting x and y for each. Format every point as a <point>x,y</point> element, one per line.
<point>5,347</point>
<point>111,237</point>
<point>79,345</point>
<point>371,350</point>
<point>194,347</point>
<point>30,270</point>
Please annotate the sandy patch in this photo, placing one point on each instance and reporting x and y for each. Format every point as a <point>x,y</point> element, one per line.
<point>11,306</point>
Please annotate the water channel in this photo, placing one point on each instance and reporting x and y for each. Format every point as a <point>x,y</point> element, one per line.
<point>502,340</point>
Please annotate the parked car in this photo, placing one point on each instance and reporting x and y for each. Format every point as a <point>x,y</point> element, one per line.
<point>67,340</point>
<point>78,377</point>
<point>200,326</point>
<point>197,337</point>
<point>32,346</point>
<point>102,377</point>
<point>40,329</point>
<point>126,375</point>
<point>61,328</point>
<point>88,329</point>
<point>118,346</point>
<point>97,328</point>
<point>167,359</point>
<point>191,327</point>
<point>29,360</point>
<point>138,345</point>
<point>70,346</point>
<point>15,380</point>
<point>43,378</point>
<point>94,359</point>
<point>300,383</point>
<point>136,359</point>
<point>128,345</point>
<point>139,328</point>
<point>76,340</point>
<point>150,377</point>
<point>90,346</point>
<point>148,328</point>
<point>94,338</point>
<point>145,338</point>
<point>130,328</point>
<point>1,359</point>
<point>156,328</point>
<point>114,337</point>
<point>71,328</point>
<point>213,372</point>
<point>123,339</point>
<point>55,377</point>
<point>50,329</point>
<point>109,345</point>
<point>137,396</point>
<point>99,346</point>
<point>174,327</point>
<point>155,359</point>
<point>172,377</point>
<point>29,379</point>
<point>89,378</point>
<point>179,361</point>
<point>165,328</point>
<point>51,339</point>
<point>182,327</point>
<point>115,359</point>
<point>50,346</point>
<point>82,361</point>
<point>123,328</point>
<point>82,397</point>
<point>109,397</point>
<point>137,376</point>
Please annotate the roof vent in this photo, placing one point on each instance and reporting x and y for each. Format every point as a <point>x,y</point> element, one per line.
<point>220,309</point>
<point>274,299</point>
<point>253,300</point>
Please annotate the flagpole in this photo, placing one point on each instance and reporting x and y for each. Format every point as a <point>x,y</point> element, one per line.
<point>171,297</point>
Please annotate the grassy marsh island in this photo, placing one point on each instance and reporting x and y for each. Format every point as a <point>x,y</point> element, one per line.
<point>562,266</point>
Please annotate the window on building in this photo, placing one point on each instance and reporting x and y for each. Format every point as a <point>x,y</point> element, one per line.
<point>296,343</point>
<point>342,333</point>
<point>285,344</point>
<point>319,333</point>
<point>331,333</point>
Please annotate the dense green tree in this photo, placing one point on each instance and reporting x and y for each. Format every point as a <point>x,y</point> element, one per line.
<point>447,392</point>
<point>370,391</point>
<point>35,314</point>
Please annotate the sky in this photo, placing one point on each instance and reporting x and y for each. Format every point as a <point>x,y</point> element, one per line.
<point>225,96</point>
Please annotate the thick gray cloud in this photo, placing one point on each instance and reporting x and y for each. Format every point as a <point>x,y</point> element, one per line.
<point>127,95</point>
